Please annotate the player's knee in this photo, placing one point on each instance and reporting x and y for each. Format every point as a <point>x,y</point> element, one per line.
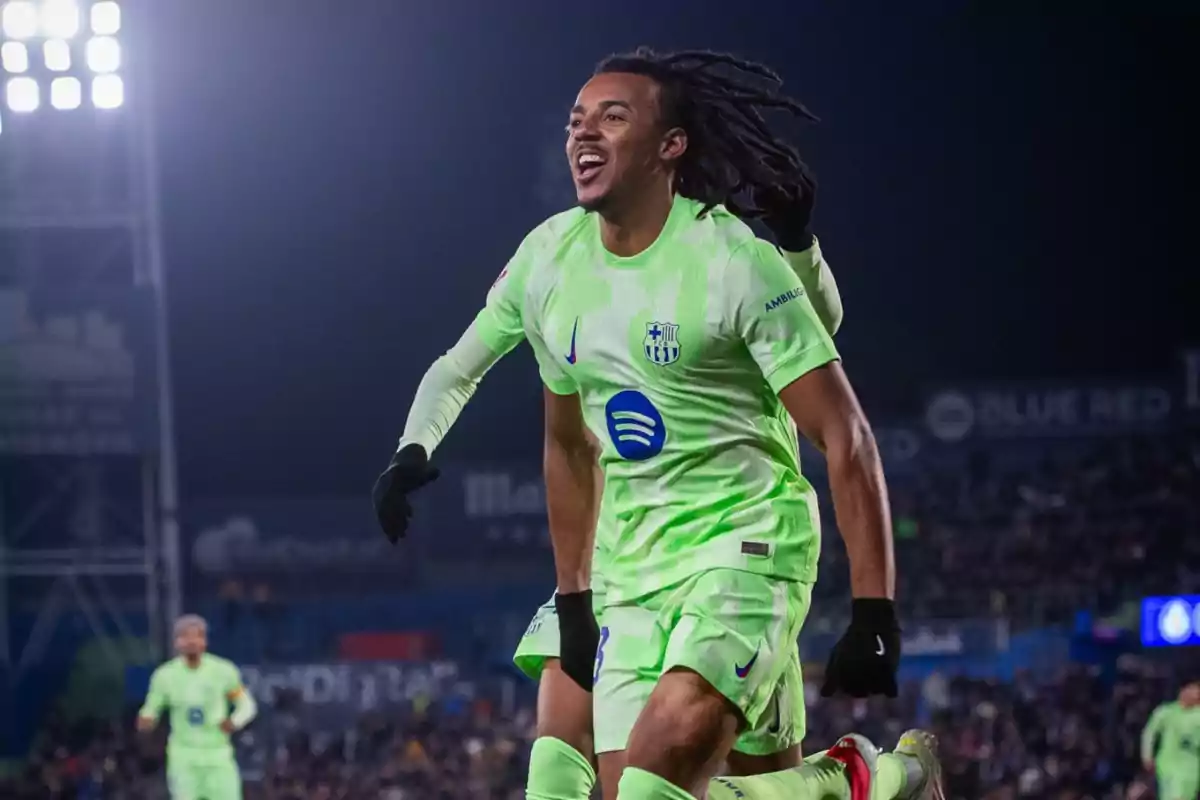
<point>686,726</point>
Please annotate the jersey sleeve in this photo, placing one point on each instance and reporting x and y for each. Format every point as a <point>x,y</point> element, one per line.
<point>769,309</point>
<point>234,687</point>
<point>816,277</point>
<point>500,324</point>
<point>552,373</point>
<point>156,696</point>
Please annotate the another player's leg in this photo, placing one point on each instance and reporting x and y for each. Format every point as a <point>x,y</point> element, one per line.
<point>560,762</point>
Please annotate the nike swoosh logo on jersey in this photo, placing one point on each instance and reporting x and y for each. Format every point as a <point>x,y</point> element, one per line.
<point>574,330</point>
<point>742,672</point>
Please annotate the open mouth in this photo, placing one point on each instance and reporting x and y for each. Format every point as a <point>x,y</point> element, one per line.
<point>587,165</point>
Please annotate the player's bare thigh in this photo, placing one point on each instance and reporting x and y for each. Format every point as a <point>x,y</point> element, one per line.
<point>738,765</point>
<point>564,710</point>
<point>685,731</point>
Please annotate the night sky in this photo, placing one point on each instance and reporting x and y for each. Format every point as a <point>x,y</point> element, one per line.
<point>1003,194</point>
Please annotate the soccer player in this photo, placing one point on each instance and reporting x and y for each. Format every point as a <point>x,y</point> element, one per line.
<point>199,688</point>
<point>734,561</point>
<point>1175,729</point>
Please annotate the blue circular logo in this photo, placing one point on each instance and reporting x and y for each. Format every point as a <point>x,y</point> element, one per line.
<point>635,426</point>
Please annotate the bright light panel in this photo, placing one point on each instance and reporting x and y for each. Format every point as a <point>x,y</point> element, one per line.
<point>57,54</point>
<point>60,19</point>
<point>103,54</point>
<point>14,56</point>
<point>20,20</point>
<point>106,18</point>
<point>108,91</point>
<point>22,94</point>
<point>66,93</point>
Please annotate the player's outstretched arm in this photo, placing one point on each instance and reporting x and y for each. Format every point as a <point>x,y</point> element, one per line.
<point>444,390</point>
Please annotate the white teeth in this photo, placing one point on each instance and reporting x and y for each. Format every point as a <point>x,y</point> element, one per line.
<point>589,159</point>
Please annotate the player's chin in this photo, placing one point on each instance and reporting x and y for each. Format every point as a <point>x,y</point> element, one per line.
<point>591,196</point>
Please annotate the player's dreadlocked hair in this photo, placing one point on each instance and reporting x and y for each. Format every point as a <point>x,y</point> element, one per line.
<point>732,158</point>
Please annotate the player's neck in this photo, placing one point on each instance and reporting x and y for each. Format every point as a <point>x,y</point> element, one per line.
<point>192,661</point>
<point>635,225</point>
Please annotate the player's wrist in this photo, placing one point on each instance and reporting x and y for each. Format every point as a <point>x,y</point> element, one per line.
<point>878,613</point>
<point>573,605</point>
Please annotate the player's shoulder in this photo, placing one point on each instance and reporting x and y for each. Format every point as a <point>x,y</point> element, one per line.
<point>718,230</point>
<point>553,234</point>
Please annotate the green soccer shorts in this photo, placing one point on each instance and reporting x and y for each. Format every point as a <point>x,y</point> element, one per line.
<point>1178,783</point>
<point>203,779</point>
<point>744,645</point>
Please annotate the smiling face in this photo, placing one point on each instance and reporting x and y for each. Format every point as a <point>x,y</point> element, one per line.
<point>615,140</point>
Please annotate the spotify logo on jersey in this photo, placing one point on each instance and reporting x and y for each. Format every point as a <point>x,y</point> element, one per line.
<point>635,426</point>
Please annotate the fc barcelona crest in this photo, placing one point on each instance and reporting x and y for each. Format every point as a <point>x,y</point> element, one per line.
<point>661,343</point>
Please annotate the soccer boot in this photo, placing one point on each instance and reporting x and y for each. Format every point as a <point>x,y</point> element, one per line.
<point>921,746</point>
<point>859,757</point>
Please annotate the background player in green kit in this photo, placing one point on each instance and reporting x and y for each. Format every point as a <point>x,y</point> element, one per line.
<point>502,325</point>
<point>199,689</point>
<point>1171,745</point>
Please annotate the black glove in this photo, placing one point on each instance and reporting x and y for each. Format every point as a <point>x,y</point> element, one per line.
<point>408,472</point>
<point>864,661</point>
<point>787,211</point>
<point>578,637</point>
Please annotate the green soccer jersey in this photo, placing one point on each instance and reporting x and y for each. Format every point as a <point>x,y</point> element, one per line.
<point>198,700</point>
<point>1176,730</point>
<point>678,354</point>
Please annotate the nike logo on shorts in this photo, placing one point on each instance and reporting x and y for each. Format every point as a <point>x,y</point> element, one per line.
<point>773,728</point>
<point>882,649</point>
<point>742,672</point>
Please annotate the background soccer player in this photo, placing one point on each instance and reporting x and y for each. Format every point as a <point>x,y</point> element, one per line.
<point>199,689</point>
<point>1171,745</point>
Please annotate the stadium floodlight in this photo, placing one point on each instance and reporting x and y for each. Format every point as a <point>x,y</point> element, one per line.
<point>108,91</point>
<point>103,54</point>
<point>22,94</point>
<point>57,54</point>
<point>15,57</point>
<point>66,93</point>
<point>20,20</point>
<point>60,19</point>
<point>106,18</point>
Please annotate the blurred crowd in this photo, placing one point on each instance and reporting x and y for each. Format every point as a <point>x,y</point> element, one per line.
<point>1073,737</point>
<point>980,539</point>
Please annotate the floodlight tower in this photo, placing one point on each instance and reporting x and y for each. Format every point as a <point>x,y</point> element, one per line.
<point>88,530</point>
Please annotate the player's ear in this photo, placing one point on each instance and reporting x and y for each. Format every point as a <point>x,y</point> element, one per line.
<point>674,144</point>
